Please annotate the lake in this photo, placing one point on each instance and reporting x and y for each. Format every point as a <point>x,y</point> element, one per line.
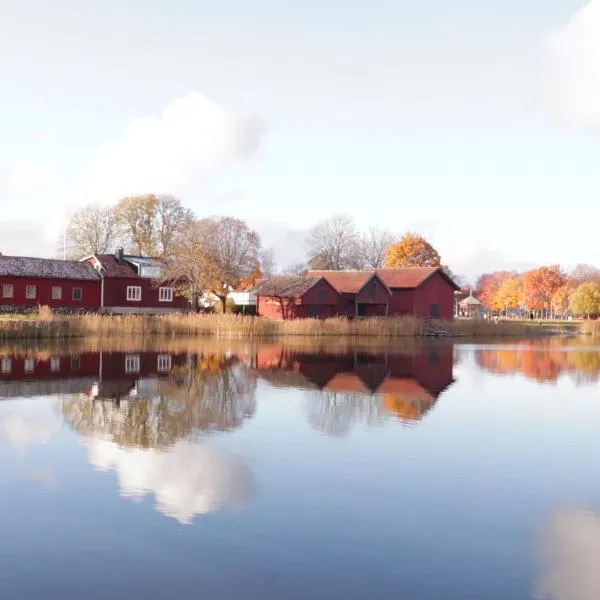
<point>208,470</point>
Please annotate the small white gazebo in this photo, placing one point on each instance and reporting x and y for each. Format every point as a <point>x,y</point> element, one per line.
<point>470,307</point>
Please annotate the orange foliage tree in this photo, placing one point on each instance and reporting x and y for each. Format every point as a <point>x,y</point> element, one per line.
<point>509,295</point>
<point>561,300</point>
<point>412,251</point>
<point>488,286</point>
<point>540,285</point>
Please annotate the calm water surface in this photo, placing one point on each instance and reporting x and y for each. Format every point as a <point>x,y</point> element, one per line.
<point>448,472</point>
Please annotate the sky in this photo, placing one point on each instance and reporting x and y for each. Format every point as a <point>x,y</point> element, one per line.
<point>473,123</point>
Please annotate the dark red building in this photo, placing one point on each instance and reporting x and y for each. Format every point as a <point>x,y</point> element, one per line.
<point>28,282</point>
<point>421,292</point>
<point>296,297</point>
<point>134,285</point>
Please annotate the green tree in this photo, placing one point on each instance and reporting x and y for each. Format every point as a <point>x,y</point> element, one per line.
<point>586,299</point>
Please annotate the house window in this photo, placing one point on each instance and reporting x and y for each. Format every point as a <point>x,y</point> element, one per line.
<point>54,364</point>
<point>361,310</point>
<point>75,363</point>
<point>321,295</point>
<point>313,312</point>
<point>77,294</point>
<point>134,293</point>
<point>434,311</point>
<point>29,365</point>
<point>30,292</point>
<point>8,290</point>
<point>56,293</point>
<point>132,363</point>
<point>6,365</point>
<point>164,362</point>
<point>165,294</point>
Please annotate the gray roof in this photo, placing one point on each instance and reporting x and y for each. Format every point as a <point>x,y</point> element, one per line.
<point>46,268</point>
<point>287,286</point>
<point>470,300</point>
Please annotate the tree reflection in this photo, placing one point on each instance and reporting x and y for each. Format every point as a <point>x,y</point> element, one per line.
<point>545,364</point>
<point>208,393</point>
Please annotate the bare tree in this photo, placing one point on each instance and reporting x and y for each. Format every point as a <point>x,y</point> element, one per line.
<point>152,223</point>
<point>267,263</point>
<point>91,230</point>
<point>333,242</point>
<point>295,269</point>
<point>372,246</point>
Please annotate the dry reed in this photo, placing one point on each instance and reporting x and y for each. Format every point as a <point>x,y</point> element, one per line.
<point>590,327</point>
<point>112,327</point>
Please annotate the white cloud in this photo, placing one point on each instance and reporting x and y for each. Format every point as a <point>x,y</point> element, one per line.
<point>25,179</point>
<point>572,556</point>
<point>187,479</point>
<point>190,141</point>
<point>574,66</point>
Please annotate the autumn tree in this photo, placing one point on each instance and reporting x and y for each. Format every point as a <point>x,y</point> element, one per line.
<point>333,243</point>
<point>152,223</point>
<point>488,285</point>
<point>91,230</point>
<point>412,251</point>
<point>233,248</point>
<point>372,248</point>
<point>509,295</point>
<point>539,285</point>
<point>586,299</point>
<point>561,299</point>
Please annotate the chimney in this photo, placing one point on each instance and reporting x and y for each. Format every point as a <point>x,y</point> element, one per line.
<point>119,255</point>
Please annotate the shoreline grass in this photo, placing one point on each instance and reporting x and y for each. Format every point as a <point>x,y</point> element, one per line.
<point>45,325</point>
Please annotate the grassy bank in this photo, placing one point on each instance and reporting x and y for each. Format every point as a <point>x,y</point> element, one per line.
<point>46,326</point>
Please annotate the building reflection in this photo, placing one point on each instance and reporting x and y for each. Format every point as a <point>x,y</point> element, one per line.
<point>360,387</point>
<point>545,363</point>
<point>145,416</point>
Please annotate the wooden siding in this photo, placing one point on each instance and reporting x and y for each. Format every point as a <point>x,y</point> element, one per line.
<point>115,295</point>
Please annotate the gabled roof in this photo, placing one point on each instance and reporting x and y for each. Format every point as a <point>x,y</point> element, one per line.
<point>412,277</point>
<point>287,286</point>
<point>46,268</point>
<point>112,268</point>
<point>347,282</point>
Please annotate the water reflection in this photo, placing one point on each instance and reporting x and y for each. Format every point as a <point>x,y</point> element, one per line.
<point>360,387</point>
<point>571,553</point>
<point>542,363</point>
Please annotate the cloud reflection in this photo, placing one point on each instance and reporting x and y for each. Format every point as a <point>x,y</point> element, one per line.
<point>571,553</point>
<point>187,479</point>
<point>24,428</point>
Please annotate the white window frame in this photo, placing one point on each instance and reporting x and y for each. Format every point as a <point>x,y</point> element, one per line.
<point>132,363</point>
<point>80,294</point>
<point>134,293</point>
<point>30,292</point>
<point>163,363</point>
<point>54,364</point>
<point>8,290</point>
<point>165,294</point>
<point>56,292</point>
<point>6,366</point>
<point>29,364</point>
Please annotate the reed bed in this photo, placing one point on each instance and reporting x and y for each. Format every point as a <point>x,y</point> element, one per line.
<point>46,326</point>
<point>591,327</point>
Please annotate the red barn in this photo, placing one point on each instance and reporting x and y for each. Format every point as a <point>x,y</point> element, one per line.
<point>133,285</point>
<point>362,293</point>
<point>421,291</point>
<point>296,297</point>
<point>28,282</point>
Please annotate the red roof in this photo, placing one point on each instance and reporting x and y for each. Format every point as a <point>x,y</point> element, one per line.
<point>345,282</point>
<point>112,268</point>
<point>410,278</point>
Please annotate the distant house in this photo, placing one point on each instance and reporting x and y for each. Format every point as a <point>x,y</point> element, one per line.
<point>293,297</point>
<point>421,292</point>
<point>67,284</point>
<point>470,307</point>
<point>245,299</point>
<point>134,285</point>
<point>361,293</point>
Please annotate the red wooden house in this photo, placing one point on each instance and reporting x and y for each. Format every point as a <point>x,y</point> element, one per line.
<point>28,282</point>
<point>296,297</point>
<point>421,291</point>
<point>362,293</point>
<point>133,285</point>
